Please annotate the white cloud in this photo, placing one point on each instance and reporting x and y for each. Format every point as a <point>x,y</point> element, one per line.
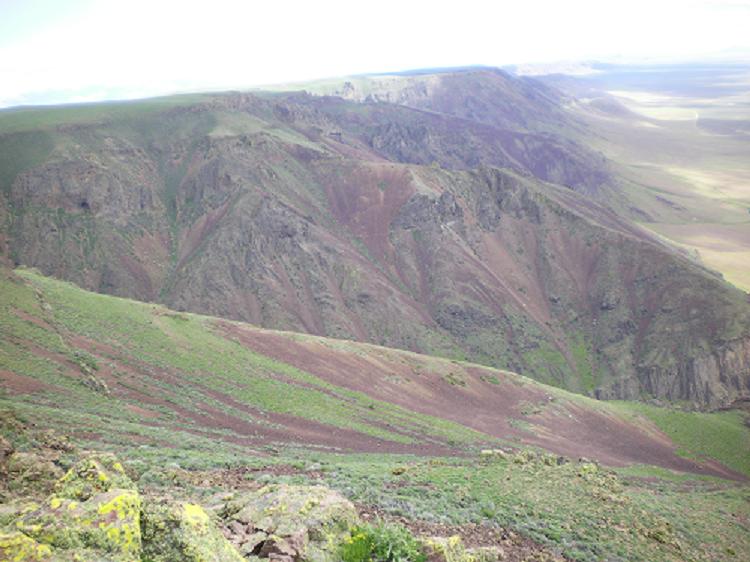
<point>151,47</point>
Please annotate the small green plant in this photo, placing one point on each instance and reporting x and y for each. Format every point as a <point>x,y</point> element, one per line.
<point>85,361</point>
<point>386,542</point>
<point>529,409</point>
<point>454,379</point>
<point>358,548</point>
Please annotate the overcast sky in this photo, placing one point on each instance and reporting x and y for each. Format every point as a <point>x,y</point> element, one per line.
<point>83,50</point>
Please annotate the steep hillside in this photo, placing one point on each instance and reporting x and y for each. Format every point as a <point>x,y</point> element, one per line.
<point>115,371</point>
<point>476,116</point>
<point>207,416</point>
<point>486,95</point>
<point>374,222</point>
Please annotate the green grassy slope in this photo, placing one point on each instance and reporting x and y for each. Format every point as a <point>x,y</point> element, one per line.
<point>584,513</point>
<point>49,118</point>
<point>152,384</point>
<point>117,371</point>
<point>718,435</point>
<point>77,345</point>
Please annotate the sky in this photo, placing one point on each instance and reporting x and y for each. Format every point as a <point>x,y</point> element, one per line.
<point>64,51</point>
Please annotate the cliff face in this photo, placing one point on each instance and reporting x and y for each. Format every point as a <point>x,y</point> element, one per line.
<point>713,379</point>
<point>385,224</point>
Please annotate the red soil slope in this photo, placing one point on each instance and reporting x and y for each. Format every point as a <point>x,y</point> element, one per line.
<point>487,400</point>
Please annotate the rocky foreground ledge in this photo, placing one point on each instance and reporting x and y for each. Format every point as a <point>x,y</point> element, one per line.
<point>95,512</point>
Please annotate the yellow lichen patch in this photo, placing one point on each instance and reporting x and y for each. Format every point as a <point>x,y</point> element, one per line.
<point>29,507</point>
<point>125,505</point>
<point>91,476</point>
<point>32,529</point>
<point>18,547</point>
<point>448,550</point>
<point>122,534</point>
<point>308,505</point>
<point>194,514</point>
<point>129,538</point>
<point>113,534</point>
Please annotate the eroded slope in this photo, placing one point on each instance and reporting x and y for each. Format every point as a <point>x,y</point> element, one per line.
<point>129,374</point>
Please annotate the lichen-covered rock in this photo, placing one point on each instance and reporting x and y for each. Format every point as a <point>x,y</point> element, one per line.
<point>10,511</point>
<point>452,549</point>
<point>175,532</point>
<point>50,439</point>
<point>588,470</point>
<point>31,473</point>
<point>492,454</point>
<point>17,546</point>
<point>93,475</point>
<point>524,456</point>
<point>108,522</point>
<point>301,522</point>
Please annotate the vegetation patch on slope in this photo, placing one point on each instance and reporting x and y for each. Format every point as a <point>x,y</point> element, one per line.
<point>724,435</point>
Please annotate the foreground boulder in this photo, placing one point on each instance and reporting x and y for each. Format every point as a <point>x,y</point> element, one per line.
<point>17,546</point>
<point>181,531</point>
<point>93,475</point>
<point>30,473</point>
<point>107,522</point>
<point>287,523</point>
<point>94,514</point>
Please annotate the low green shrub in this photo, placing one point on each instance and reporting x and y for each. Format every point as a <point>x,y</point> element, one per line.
<point>382,543</point>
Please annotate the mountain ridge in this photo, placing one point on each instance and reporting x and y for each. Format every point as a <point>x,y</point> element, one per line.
<point>384,223</point>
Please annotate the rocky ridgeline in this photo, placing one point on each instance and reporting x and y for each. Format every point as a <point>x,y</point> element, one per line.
<point>95,512</point>
<point>399,225</point>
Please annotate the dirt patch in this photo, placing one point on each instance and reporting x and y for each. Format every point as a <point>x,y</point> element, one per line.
<point>366,199</point>
<point>143,384</point>
<point>615,442</point>
<point>285,428</point>
<point>466,398</point>
<point>142,411</point>
<point>21,384</point>
<point>33,319</point>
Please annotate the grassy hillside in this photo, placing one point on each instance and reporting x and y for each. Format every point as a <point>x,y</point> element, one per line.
<point>196,406</point>
<point>74,355</point>
<point>718,435</point>
<point>121,371</point>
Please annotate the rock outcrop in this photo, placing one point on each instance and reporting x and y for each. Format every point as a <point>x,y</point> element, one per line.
<point>709,379</point>
<point>385,223</point>
<point>94,512</point>
<point>183,531</point>
<point>95,508</point>
<point>285,522</point>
